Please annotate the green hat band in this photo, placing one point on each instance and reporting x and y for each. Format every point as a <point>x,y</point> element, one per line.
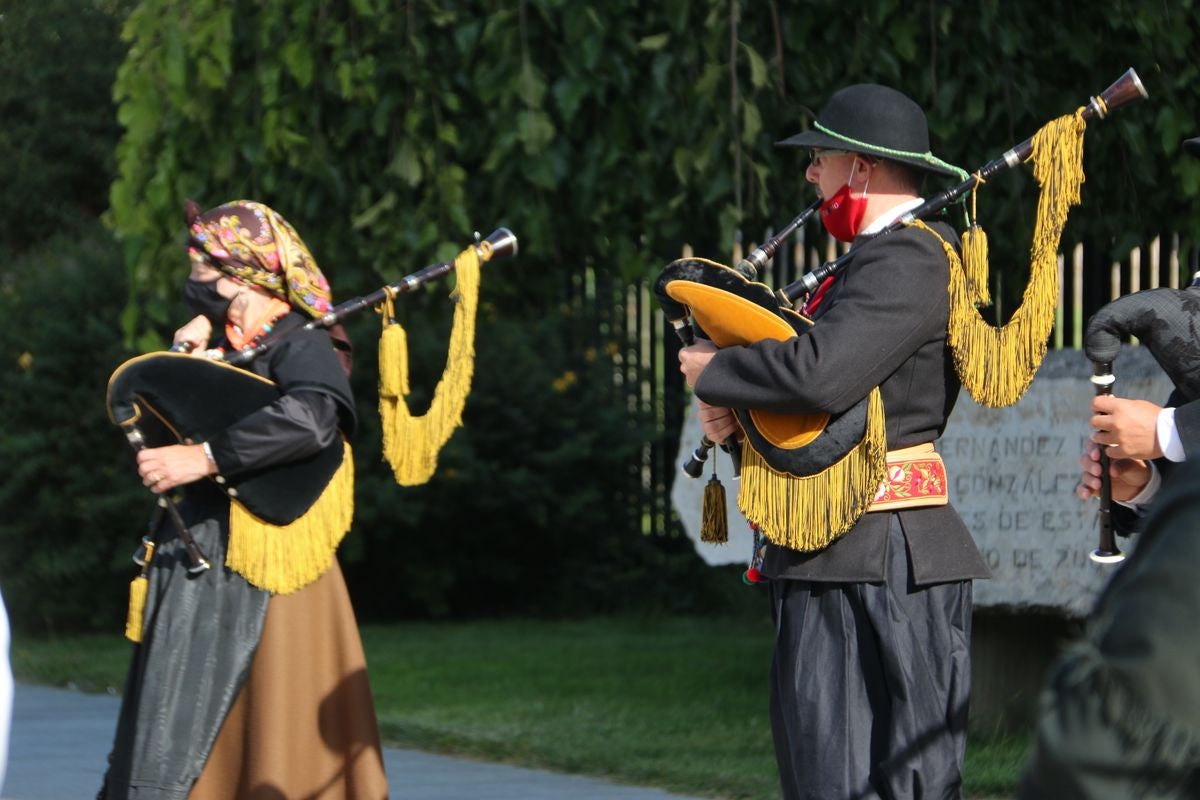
<point>927,157</point>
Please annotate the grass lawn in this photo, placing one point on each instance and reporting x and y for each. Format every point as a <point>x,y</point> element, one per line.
<point>674,703</point>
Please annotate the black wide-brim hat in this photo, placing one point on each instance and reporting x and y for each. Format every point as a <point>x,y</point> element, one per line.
<point>1192,146</point>
<point>873,120</point>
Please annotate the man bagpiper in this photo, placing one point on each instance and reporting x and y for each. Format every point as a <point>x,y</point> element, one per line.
<point>870,675</point>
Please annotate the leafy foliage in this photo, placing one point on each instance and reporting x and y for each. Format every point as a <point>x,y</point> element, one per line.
<point>73,507</point>
<point>605,135</point>
<point>518,519</point>
<point>538,116</point>
<point>58,59</point>
<point>608,134</point>
<point>520,515</point>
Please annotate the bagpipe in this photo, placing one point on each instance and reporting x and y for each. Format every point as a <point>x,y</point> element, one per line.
<point>174,397</point>
<point>1166,322</point>
<point>748,268</point>
<point>806,479</point>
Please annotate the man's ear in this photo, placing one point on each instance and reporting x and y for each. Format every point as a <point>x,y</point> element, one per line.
<point>861,169</point>
<point>869,167</point>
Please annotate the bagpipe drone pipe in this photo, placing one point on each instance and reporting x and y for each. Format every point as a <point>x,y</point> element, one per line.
<point>1167,323</point>
<point>821,472</point>
<point>174,397</point>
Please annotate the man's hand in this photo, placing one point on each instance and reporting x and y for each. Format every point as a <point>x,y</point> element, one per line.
<point>718,423</point>
<point>1129,427</point>
<point>1129,475</point>
<point>694,358</point>
<point>164,468</point>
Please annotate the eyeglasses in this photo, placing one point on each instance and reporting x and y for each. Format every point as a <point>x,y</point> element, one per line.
<point>817,153</point>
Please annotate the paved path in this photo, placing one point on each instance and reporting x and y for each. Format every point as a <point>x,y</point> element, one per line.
<point>60,740</point>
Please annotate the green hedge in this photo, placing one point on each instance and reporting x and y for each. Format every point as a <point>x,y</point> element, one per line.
<point>607,134</point>
<point>74,509</point>
<point>58,60</point>
<point>604,134</point>
<point>519,518</point>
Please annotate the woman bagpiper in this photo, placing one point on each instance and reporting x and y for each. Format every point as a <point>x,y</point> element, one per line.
<point>250,680</point>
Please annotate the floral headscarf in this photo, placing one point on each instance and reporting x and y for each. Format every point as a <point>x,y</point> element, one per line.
<point>253,243</point>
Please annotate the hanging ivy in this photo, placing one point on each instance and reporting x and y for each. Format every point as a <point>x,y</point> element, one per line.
<point>604,133</point>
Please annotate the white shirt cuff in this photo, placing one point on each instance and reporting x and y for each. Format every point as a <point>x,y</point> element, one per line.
<point>1168,435</point>
<point>1148,491</point>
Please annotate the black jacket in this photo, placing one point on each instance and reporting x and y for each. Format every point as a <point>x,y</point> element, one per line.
<point>882,323</point>
<point>1120,712</point>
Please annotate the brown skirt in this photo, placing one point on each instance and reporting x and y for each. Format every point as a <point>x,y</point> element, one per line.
<point>303,726</point>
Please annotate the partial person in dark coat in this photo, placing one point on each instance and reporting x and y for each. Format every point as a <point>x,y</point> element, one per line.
<point>1120,712</point>
<point>1145,441</point>
<point>870,676</point>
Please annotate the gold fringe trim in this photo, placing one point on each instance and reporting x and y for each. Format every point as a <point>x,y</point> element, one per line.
<point>284,558</point>
<point>996,365</point>
<point>714,521</point>
<point>809,513</point>
<point>411,444</point>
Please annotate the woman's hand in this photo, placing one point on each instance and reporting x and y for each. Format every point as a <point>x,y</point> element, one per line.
<point>164,468</point>
<point>196,333</point>
<point>1129,476</point>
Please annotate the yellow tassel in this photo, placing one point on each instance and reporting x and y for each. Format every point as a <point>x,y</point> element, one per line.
<point>393,362</point>
<point>975,251</point>
<point>411,444</point>
<point>136,614</point>
<point>975,262</point>
<point>134,618</point>
<point>284,558</point>
<point>996,365</point>
<point>808,513</point>
<point>714,522</point>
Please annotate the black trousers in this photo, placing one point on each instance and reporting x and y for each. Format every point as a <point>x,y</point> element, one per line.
<point>870,685</point>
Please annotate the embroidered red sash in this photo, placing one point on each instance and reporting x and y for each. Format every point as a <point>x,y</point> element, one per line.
<point>916,477</point>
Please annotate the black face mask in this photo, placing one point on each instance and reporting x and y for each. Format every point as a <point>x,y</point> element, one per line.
<point>203,298</point>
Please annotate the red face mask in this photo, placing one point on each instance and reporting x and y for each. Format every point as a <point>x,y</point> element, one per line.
<point>842,214</point>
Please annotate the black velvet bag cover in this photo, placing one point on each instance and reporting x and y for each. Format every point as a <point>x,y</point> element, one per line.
<point>742,297</point>
<point>173,397</point>
<point>1166,321</point>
